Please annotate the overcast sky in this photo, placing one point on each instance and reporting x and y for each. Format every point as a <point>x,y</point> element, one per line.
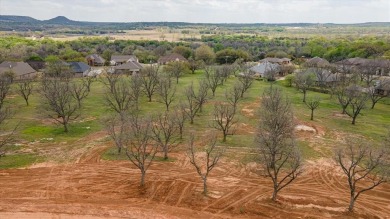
<point>205,11</point>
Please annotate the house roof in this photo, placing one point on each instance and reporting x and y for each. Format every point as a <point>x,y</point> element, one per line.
<point>317,62</point>
<point>79,67</point>
<point>129,66</point>
<point>171,58</point>
<point>18,68</point>
<point>96,58</point>
<point>365,62</point>
<point>264,67</point>
<point>275,60</point>
<point>124,58</point>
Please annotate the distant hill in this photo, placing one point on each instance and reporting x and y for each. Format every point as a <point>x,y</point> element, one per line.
<point>61,20</point>
<point>21,19</point>
<point>25,23</point>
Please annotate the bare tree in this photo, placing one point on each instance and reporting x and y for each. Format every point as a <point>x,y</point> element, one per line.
<point>275,140</point>
<point>88,81</point>
<point>59,101</point>
<point>5,113</point>
<point>166,91</point>
<point>176,69</point>
<point>192,106</point>
<point>368,70</point>
<point>304,80</point>
<point>140,147</point>
<point>80,90</point>
<point>136,89</point>
<point>202,95</point>
<point>212,155</point>
<point>343,98</point>
<point>312,104</point>
<point>25,89</point>
<point>233,96</point>
<point>5,138</point>
<point>165,132</point>
<point>116,127</point>
<point>5,85</point>
<point>358,100</point>
<point>364,167</point>
<point>224,118</point>
<point>224,72</point>
<point>246,80</point>
<point>149,79</point>
<point>213,78</point>
<point>376,93</point>
<point>271,72</point>
<point>118,96</point>
<point>180,118</point>
<point>194,65</point>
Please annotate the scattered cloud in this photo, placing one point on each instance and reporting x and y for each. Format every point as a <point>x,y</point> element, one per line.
<point>208,11</point>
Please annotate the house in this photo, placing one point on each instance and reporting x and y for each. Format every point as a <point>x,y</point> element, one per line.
<point>174,57</point>
<point>317,62</point>
<point>79,69</point>
<point>95,60</point>
<point>324,78</point>
<point>283,61</point>
<point>378,67</point>
<point>129,68</point>
<point>265,68</point>
<point>121,59</point>
<point>21,70</point>
<point>382,87</point>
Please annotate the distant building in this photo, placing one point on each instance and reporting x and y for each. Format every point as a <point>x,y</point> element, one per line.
<point>378,67</point>
<point>79,69</point>
<point>129,68</point>
<point>21,70</point>
<point>174,57</point>
<point>121,59</point>
<point>282,61</point>
<point>263,68</point>
<point>317,62</point>
<point>95,60</point>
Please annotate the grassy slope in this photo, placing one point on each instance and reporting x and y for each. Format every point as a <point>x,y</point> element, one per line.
<point>35,129</point>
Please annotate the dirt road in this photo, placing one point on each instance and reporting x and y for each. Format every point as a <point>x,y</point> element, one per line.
<point>109,189</point>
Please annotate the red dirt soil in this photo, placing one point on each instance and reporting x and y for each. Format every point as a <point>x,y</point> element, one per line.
<point>93,188</point>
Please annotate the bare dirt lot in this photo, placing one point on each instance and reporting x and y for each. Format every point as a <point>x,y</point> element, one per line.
<point>92,188</point>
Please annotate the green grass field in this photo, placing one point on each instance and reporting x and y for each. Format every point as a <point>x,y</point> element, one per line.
<point>38,135</point>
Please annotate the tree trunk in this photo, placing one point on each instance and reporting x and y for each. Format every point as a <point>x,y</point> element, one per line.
<point>274,194</point>
<point>119,150</point>
<point>353,120</point>
<point>142,178</point>
<point>165,154</point>
<point>26,101</point>
<point>373,104</point>
<point>65,123</point>
<point>191,120</point>
<point>344,110</point>
<point>312,114</point>
<point>351,203</point>
<point>177,80</point>
<point>205,185</point>
<point>150,98</point>
<point>304,96</point>
<point>224,137</point>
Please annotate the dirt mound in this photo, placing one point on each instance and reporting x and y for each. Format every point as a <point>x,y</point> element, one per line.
<point>173,190</point>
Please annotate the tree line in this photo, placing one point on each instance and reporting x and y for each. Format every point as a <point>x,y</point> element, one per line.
<point>223,48</point>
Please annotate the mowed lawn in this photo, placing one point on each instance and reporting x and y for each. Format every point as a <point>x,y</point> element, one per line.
<point>37,137</point>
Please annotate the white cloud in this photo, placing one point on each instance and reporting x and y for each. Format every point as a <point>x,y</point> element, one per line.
<point>211,11</point>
